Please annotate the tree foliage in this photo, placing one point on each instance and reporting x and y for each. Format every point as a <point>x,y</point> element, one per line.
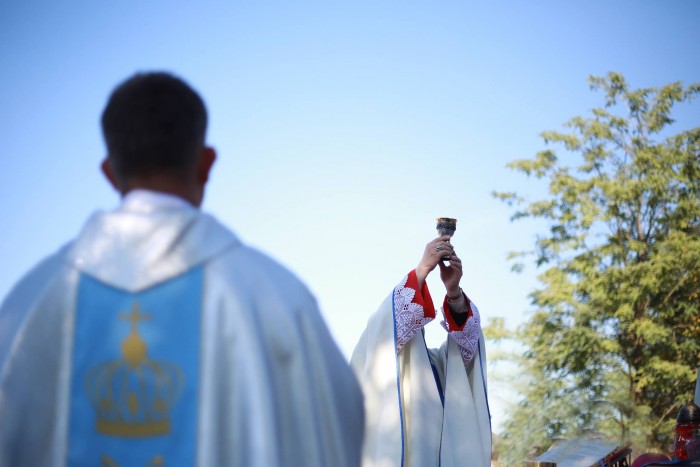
<point>613,343</point>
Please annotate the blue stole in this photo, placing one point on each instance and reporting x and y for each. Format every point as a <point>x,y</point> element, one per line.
<point>135,374</point>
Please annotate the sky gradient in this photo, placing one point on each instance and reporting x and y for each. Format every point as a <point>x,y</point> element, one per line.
<point>343,129</point>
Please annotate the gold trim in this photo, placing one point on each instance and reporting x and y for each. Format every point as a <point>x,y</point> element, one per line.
<point>155,462</point>
<point>132,429</point>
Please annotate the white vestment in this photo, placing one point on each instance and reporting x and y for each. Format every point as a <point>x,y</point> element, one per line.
<point>424,407</point>
<point>272,387</point>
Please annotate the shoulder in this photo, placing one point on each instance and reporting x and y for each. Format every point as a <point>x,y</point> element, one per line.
<point>251,274</point>
<point>25,295</point>
<point>36,278</point>
<point>259,272</point>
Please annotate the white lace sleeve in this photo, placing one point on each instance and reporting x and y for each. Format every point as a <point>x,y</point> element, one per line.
<point>409,316</point>
<point>468,338</point>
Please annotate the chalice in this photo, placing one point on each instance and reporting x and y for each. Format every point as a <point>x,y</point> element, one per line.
<point>446,226</point>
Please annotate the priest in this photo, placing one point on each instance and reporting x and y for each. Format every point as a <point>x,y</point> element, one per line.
<point>158,338</point>
<point>425,407</point>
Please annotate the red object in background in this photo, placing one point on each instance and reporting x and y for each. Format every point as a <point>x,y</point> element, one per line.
<point>648,458</point>
<point>687,429</point>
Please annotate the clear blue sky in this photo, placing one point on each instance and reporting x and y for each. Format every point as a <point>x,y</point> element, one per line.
<point>343,128</point>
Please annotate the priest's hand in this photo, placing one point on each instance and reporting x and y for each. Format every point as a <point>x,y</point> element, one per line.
<point>451,275</point>
<point>432,256</point>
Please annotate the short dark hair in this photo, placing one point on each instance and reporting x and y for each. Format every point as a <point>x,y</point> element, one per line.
<point>153,122</point>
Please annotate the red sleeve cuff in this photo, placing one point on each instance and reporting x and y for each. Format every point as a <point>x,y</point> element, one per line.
<point>451,324</point>
<point>422,296</point>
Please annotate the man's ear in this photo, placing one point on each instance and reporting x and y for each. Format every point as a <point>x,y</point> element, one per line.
<point>206,160</point>
<point>108,172</point>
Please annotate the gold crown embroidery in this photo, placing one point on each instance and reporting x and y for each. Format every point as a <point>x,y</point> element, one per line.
<point>133,396</point>
<point>155,462</point>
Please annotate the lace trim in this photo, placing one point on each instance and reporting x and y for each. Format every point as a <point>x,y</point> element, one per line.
<point>410,317</point>
<point>468,338</point>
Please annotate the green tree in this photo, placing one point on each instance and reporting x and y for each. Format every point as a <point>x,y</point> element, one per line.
<point>613,343</point>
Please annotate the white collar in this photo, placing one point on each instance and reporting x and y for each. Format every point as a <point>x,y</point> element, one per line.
<point>152,198</point>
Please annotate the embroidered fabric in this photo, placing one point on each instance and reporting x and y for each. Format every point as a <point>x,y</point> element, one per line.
<point>410,316</point>
<point>468,338</point>
<point>410,319</point>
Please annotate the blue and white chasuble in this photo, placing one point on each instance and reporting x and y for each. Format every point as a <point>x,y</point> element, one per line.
<point>135,374</point>
<point>157,339</point>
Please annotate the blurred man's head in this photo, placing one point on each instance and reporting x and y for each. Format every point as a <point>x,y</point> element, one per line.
<point>154,126</point>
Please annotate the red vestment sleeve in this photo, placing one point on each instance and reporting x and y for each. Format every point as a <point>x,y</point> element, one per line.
<point>452,323</point>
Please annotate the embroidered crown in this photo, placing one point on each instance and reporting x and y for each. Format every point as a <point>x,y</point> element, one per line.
<point>133,396</point>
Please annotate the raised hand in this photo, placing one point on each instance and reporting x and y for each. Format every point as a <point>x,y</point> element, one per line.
<point>451,275</point>
<point>432,256</point>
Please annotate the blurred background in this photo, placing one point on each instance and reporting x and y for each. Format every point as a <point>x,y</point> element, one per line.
<point>343,128</point>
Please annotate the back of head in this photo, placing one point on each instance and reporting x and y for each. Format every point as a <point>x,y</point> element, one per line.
<point>153,123</point>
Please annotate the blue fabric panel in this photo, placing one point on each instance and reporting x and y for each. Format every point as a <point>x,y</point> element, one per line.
<point>135,374</point>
